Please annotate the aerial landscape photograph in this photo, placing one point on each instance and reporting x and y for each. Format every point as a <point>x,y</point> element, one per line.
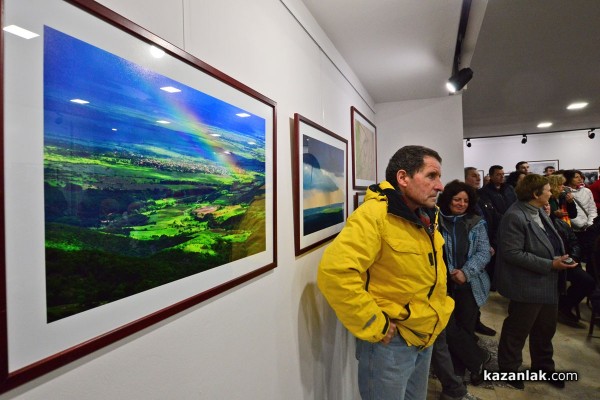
<point>146,179</point>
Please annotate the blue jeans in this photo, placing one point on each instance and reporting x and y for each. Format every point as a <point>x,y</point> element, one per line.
<point>392,372</point>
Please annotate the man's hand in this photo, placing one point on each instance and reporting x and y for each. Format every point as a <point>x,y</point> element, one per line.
<point>458,276</point>
<point>390,333</point>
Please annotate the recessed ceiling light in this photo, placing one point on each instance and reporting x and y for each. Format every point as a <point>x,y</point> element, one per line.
<point>544,124</point>
<point>79,101</point>
<point>21,32</point>
<point>243,115</point>
<point>170,89</point>
<point>577,106</point>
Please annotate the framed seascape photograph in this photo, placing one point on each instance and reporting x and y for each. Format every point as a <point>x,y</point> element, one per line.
<point>359,198</point>
<point>320,159</point>
<point>138,181</point>
<point>537,167</point>
<point>364,150</point>
<point>590,175</point>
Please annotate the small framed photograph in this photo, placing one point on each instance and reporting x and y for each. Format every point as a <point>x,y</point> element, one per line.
<point>364,150</point>
<point>320,184</point>
<point>537,167</point>
<point>138,182</point>
<point>589,175</point>
<point>481,175</point>
<point>359,198</point>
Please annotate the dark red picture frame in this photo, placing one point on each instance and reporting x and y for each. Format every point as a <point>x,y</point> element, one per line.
<point>10,379</point>
<point>363,152</point>
<point>324,231</point>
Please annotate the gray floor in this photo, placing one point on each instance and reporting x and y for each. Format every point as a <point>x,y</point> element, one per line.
<point>573,351</point>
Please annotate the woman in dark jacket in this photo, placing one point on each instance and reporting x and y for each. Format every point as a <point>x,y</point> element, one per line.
<point>466,252</point>
<point>530,254</point>
<point>562,204</point>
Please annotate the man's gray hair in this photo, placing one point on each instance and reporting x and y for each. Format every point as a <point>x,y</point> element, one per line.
<point>410,159</point>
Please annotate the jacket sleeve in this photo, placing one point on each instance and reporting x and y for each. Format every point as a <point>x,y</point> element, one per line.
<point>341,276</point>
<point>571,209</point>
<point>590,206</point>
<point>514,236</point>
<point>480,254</point>
<point>570,240</point>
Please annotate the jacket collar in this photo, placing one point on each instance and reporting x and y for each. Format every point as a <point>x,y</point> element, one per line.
<point>526,209</point>
<point>470,220</point>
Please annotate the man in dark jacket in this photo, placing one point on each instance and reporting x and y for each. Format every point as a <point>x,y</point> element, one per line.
<point>492,219</point>
<point>500,194</point>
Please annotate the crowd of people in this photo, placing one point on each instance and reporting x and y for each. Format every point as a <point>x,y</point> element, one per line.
<point>414,264</point>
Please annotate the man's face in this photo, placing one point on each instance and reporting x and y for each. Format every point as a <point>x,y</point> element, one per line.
<point>524,168</point>
<point>421,189</point>
<point>550,171</point>
<point>497,177</point>
<point>473,179</point>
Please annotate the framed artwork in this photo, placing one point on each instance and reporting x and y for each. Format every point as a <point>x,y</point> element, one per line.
<point>590,175</point>
<point>537,167</point>
<point>364,150</point>
<point>481,175</point>
<point>138,181</point>
<point>359,198</point>
<point>320,181</point>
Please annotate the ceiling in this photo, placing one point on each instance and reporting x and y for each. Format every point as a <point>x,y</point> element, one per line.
<point>530,58</point>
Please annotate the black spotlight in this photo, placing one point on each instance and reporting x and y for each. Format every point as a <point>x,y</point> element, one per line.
<point>459,80</point>
<point>469,144</point>
<point>591,133</point>
<point>524,140</point>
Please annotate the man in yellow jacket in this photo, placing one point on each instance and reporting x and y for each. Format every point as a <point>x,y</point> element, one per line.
<point>385,277</point>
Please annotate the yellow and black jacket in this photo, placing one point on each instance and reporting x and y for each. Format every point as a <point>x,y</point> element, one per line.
<point>387,264</point>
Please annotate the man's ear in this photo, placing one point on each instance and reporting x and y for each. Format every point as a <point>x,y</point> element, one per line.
<point>402,178</point>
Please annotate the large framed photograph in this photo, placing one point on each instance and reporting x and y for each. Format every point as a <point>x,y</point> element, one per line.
<point>364,150</point>
<point>537,167</point>
<point>320,184</point>
<point>589,176</point>
<point>138,181</point>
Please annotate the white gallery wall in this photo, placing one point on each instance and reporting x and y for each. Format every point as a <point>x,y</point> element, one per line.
<point>572,149</point>
<point>435,123</point>
<point>273,337</point>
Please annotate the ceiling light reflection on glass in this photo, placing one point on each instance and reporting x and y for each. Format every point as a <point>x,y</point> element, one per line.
<point>577,106</point>
<point>544,125</point>
<point>21,32</point>
<point>162,121</point>
<point>156,52</point>
<point>79,101</point>
<point>243,115</point>
<point>170,89</point>
<point>215,135</point>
